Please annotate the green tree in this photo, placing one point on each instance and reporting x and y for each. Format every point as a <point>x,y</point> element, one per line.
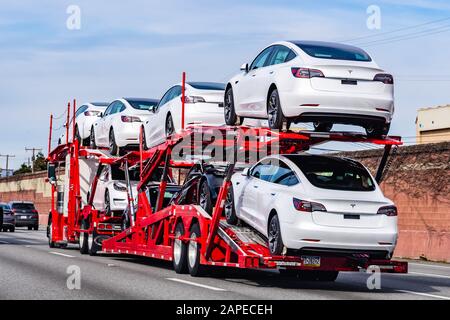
<point>24,168</point>
<point>40,163</point>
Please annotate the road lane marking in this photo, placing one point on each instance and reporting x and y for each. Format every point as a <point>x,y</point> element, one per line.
<point>428,265</point>
<point>61,254</point>
<point>425,294</point>
<point>4,242</point>
<point>429,275</point>
<point>196,284</point>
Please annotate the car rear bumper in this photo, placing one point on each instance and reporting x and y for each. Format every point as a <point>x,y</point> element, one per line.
<point>127,134</point>
<point>27,222</point>
<point>361,106</point>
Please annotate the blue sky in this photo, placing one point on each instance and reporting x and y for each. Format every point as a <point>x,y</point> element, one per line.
<point>140,48</point>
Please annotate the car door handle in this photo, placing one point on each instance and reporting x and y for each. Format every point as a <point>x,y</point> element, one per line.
<point>271,72</point>
<point>238,183</point>
<point>254,75</point>
<point>273,194</point>
<point>256,187</point>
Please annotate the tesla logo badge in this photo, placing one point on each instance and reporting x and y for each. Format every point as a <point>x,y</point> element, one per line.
<point>353,205</point>
<point>350,71</point>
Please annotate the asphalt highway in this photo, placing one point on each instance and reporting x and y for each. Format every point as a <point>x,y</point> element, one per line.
<point>29,269</point>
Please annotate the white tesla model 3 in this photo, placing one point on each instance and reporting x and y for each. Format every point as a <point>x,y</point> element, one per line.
<point>311,81</point>
<point>85,117</point>
<point>119,126</point>
<point>314,203</point>
<point>203,105</point>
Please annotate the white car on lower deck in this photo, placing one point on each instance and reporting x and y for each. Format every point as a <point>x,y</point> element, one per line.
<point>203,105</point>
<point>312,81</point>
<point>314,203</point>
<point>120,125</point>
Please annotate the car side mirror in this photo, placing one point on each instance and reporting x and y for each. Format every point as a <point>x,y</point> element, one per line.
<point>101,115</point>
<point>152,109</point>
<point>244,67</point>
<point>246,172</point>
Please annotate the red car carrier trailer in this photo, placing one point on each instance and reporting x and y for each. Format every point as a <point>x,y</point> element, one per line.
<point>185,234</point>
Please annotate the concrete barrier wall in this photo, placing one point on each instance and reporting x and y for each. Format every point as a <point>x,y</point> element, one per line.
<point>418,181</point>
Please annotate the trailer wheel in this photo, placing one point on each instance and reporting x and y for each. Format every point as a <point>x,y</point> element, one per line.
<point>51,243</point>
<point>275,242</point>
<point>205,197</point>
<point>83,240</point>
<point>92,245</point>
<point>179,250</point>
<point>229,210</point>
<point>193,252</point>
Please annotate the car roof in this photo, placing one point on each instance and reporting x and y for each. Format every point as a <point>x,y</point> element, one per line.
<point>142,99</point>
<point>99,104</point>
<point>18,201</point>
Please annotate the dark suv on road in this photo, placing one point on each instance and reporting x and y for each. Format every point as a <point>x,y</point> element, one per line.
<point>25,214</point>
<point>9,221</point>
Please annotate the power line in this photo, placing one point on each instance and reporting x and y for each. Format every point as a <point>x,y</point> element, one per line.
<point>396,30</point>
<point>7,156</point>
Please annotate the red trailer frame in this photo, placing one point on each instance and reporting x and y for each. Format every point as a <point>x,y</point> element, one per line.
<point>153,233</point>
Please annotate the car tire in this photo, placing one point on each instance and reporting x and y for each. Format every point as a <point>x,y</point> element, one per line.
<point>276,245</point>
<point>4,229</point>
<point>276,119</point>
<point>322,126</point>
<point>193,252</point>
<point>144,140</point>
<point>108,210</point>
<point>36,228</point>
<point>377,130</point>
<point>169,128</point>
<point>204,196</point>
<point>83,240</point>
<point>113,148</point>
<point>231,118</point>
<point>179,251</point>
<point>229,209</point>
<point>92,143</point>
<point>13,229</point>
<point>30,228</point>
<point>78,136</point>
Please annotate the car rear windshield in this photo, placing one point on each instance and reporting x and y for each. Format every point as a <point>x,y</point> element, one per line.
<point>23,206</point>
<point>207,85</point>
<point>334,173</point>
<point>334,51</point>
<point>142,104</point>
<point>119,174</point>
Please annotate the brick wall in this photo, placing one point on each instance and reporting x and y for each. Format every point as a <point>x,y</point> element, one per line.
<point>418,181</point>
<point>28,187</point>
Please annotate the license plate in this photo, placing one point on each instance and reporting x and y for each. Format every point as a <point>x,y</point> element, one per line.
<point>311,261</point>
<point>23,217</point>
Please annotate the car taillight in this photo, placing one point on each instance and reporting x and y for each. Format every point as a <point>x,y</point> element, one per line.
<point>34,211</point>
<point>91,113</point>
<point>193,99</point>
<point>385,78</point>
<point>308,206</point>
<point>390,211</point>
<point>130,119</point>
<point>306,73</point>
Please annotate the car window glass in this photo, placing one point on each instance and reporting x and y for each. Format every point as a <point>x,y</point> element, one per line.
<point>81,110</point>
<point>263,170</point>
<point>291,55</point>
<point>279,55</point>
<point>283,174</point>
<point>176,92</point>
<point>166,97</point>
<point>261,59</point>
<point>108,110</point>
<point>120,107</point>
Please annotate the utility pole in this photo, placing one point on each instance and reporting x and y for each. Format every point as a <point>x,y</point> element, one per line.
<point>33,157</point>
<point>7,156</point>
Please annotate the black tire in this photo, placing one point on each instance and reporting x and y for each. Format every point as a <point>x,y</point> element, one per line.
<point>204,197</point>
<point>276,245</point>
<point>30,227</point>
<point>78,136</point>
<point>179,251</point>
<point>275,114</point>
<point>83,240</point>
<point>92,143</point>
<point>93,246</point>
<point>193,253</point>
<point>13,229</point>
<point>322,126</point>
<point>170,129</point>
<point>113,148</point>
<point>144,140</point>
<point>51,243</point>
<point>36,228</point>
<point>231,118</point>
<point>108,211</point>
<point>4,229</point>
<point>229,209</point>
<point>377,130</point>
